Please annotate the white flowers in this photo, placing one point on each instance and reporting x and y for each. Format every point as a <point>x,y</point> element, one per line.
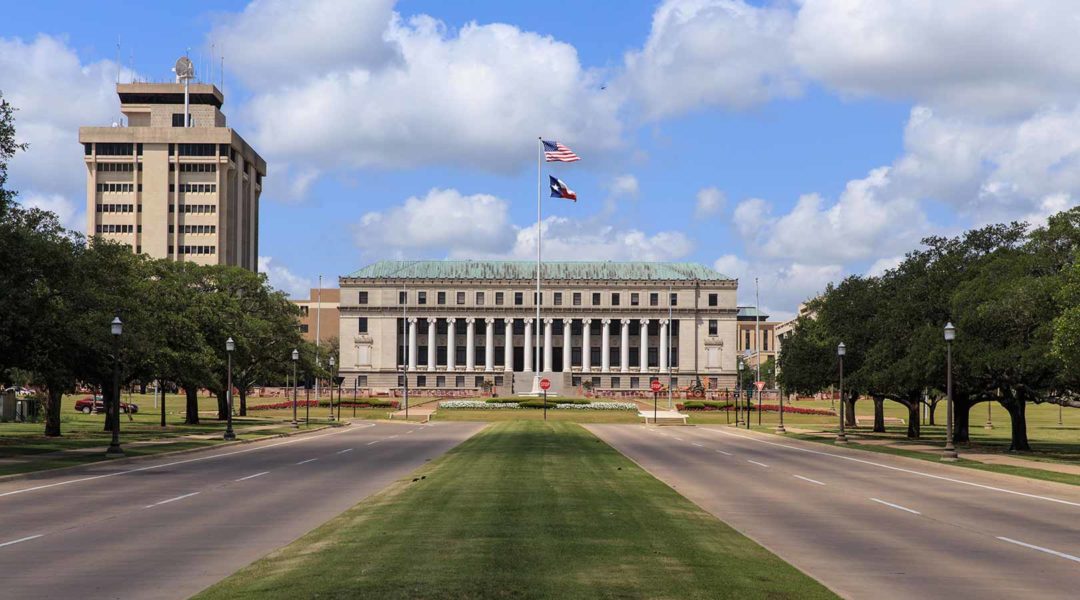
<point>482,405</point>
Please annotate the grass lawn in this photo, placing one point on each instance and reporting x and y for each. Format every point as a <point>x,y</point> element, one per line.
<point>524,509</point>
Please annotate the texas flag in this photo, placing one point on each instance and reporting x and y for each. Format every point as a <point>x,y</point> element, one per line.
<point>559,190</point>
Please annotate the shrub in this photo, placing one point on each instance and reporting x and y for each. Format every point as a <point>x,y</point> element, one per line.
<point>473,404</point>
<point>598,406</point>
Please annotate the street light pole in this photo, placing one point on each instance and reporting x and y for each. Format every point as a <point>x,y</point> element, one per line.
<point>841,437</point>
<point>295,358</point>
<point>780,427</point>
<point>114,451</point>
<point>230,345</point>
<point>738,386</point>
<point>332,387</point>
<point>949,454</point>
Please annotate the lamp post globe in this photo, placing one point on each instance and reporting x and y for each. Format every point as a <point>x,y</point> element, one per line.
<point>116,328</point>
<point>841,436</point>
<point>295,358</point>
<point>949,453</point>
<point>230,346</point>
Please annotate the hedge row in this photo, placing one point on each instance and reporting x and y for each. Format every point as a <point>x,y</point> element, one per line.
<point>366,403</point>
<point>707,405</point>
<point>550,400</point>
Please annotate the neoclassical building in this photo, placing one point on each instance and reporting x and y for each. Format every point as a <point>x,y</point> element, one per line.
<point>455,324</point>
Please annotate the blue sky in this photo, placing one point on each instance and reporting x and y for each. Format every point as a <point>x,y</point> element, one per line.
<point>793,141</point>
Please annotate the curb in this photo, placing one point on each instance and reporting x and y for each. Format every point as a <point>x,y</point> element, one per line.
<point>130,459</point>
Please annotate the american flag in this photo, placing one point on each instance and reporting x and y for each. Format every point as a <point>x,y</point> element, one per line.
<point>556,152</point>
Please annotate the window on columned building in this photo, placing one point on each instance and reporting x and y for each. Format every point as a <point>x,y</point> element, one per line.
<point>713,327</point>
<point>714,299</point>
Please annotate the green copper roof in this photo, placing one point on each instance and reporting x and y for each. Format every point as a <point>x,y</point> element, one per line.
<point>523,269</point>
<point>749,312</point>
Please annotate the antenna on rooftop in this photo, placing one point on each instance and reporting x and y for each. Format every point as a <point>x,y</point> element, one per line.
<point>185,71</point>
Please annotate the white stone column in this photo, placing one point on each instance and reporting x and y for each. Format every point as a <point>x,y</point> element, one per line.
<point>624,349</point>
<point>508,346</point>
<point>663,345</point>
<point>643,358</point>
<point>547,344</point>
<point>586,352</point>
<point>528,345</point>
<point>566,344</point>
<point>431,354</point>
<point>489,345</point>
<point>412,344</point>
<point>451,355</point>
<point>605,349</point>
<point>470,341</point>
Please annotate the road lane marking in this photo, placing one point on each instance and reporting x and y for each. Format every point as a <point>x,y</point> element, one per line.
<point>725,453</point>
<point>902,470</point>
<point>181,462</point>
<point>252,476</point>
<point>697,444</point>
<point>375,442</point>
<point>391,437</point>
<point>345,450</point>
<point>25,539</point>
<point>757,463</point>
<point>896,506</point>
<point>304,462</point>
<point>678,438</point>
<point>1026,545</point>
<point>171,500</point>
<point>807,479</point>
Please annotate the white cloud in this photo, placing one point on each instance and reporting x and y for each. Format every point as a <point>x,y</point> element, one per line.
<point>710,201</point>
<point>283,279</point>
<point>752,216</point>
<point>882,265</point>
<point>624,186</point>
<point>54,93</point>
<point>588,239</point>
<point>703,53</point>
<point>71,215</point>
<point>996,56</point>
<point>442,220</point>
<point>475,97</point>
<point>732,266</point>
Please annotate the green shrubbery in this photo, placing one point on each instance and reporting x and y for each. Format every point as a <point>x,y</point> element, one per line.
<point>550,401</point>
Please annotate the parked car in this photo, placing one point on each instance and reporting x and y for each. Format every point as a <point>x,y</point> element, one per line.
<point>95,404</point>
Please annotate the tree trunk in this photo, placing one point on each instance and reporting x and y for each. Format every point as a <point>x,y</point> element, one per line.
<point>849,409</point>
<point>1018,413</point>
<point>52,412</point>
<point>961,419</point>
<point>191,412</point>
<point>933,408</point>
<point>879,414</point>
<point>243,392</point>
<point>913,421</point>
<point>222,405</point>
<point>142,388</point>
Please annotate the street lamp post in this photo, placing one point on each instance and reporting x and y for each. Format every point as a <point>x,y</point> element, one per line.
<point>750,396</point>
<point>780,427</point>
<point>117,328</point>
<point>295,358</point>
<point>738,386</point>
<point>841,437</point>
<point>332,387</point>
<point>230,345</point>
<point>949,454</point>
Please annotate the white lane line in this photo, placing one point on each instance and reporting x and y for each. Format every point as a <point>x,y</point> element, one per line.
<point>181,462</point>
<point>25,539</point>
<point>697,444</point>
<point>679,438</point>
<point>1032,546</point>
<point>171,500</point>
<point>345,450</point>
<point>304,462</point>
<point>252,476</point>
<point>391,437</point>
<point>896,506</point>
<point>725,453</point>
<point>901,469</point>
<point>807,479</point>
<point>375,442</point>
<point>410,431</point>
<point>757,463</point>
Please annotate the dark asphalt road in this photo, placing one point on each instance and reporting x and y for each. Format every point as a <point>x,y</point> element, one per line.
<point>871,525</point>
<point>170,527</point>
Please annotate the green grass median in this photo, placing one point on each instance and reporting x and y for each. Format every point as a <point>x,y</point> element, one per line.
<point>524,509</point>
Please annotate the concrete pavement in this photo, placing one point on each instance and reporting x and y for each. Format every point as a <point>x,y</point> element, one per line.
<point>869,525</point>
<point>170,527</point>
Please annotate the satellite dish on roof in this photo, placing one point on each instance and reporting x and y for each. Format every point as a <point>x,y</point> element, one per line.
<point>184,68</point>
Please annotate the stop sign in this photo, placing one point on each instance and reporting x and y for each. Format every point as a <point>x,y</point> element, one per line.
<point>655,385</point>
<point>545,384</point>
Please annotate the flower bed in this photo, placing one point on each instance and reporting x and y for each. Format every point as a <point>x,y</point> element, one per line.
<point>705,405</point>
<point>599,406</point>
<point>565,403</point>
<point>368,403</point>
<point>476,404</point>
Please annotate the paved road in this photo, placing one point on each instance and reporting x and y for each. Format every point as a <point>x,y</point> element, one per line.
<point>169,527</point>
<point>870,525</point>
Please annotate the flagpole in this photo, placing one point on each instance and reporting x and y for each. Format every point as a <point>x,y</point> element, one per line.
<point>536,334</point>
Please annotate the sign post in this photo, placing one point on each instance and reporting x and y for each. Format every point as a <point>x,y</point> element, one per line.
<point>655,386</point>
<point>544,385</point>
<point>760,385</point>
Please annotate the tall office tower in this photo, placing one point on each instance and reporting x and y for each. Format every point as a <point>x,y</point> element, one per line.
<point>170,186</point>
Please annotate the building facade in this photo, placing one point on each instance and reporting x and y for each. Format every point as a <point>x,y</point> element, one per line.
<point>319,314</point>
<point>170,187</point>
<point>756,334</point>
<point>458,324</point>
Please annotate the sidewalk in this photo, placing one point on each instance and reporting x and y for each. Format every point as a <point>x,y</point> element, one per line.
<point>983,457</point>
